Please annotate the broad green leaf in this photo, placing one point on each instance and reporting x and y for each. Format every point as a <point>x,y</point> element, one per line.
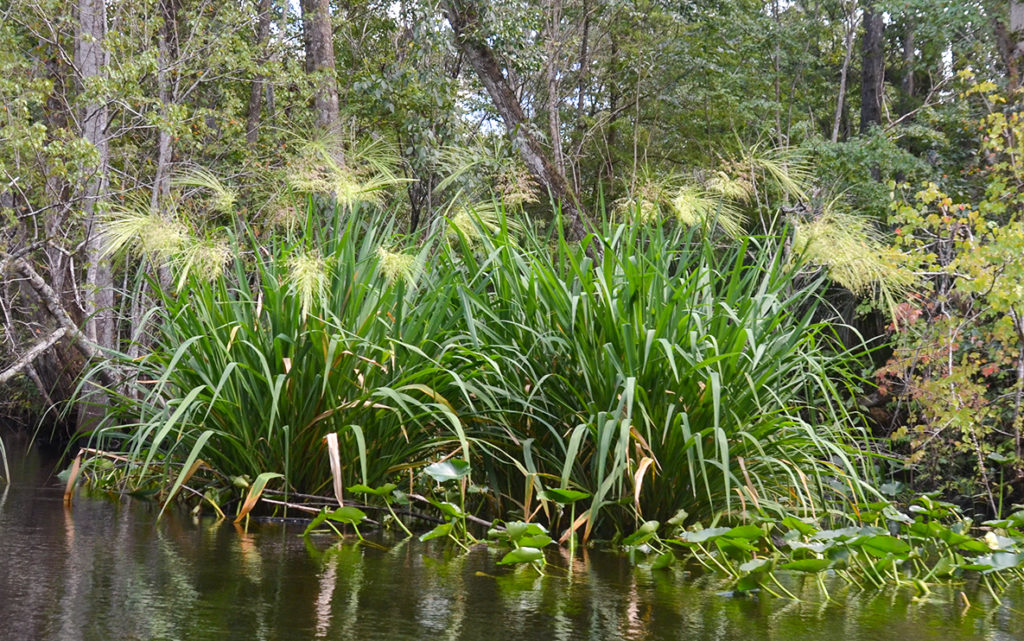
<point>535,541</point>
<point>347,514</point>
<point>663,560</point>
<point>750,532</point>
<point>518,529</point>
<point>522,555</point>
<point>440,531</point>
<point>563,497</point>
<point>801,526</point>
<point>383,490</point>
<point>701,536</point>
<point>883,545</point>
<point>807,565</point>
<point>755,565</point>
<point>643,534</point>
<point>443,471</point>
<point>316,522</point>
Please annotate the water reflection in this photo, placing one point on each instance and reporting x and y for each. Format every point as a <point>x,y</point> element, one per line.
<point>104,570</point>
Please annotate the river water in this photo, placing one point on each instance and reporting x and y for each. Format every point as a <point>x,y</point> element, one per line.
<point>107,570</point>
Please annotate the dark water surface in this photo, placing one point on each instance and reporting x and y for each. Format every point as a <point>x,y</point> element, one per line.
<point>106,570</point>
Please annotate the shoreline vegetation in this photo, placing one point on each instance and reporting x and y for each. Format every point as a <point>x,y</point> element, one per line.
<point>447,376</point>
<point>537,274</point>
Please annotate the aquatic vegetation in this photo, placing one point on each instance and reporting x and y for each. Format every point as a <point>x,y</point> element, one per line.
<point>928,542</point>
<point>674,374</point>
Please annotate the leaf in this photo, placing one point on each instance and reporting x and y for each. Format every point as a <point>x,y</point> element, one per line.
<point>347,514</point>
<point>441,530</point>
<point>806,565</point>
<point>663,560</point>
<point>563,497</point>
<point>945,567</point>
<point>996,562</point>
<point>69,488</point>
<point>447,470</point>
<point>518,529</point>
<point>883,545</point>
<point>700,536</point>
<point>192,456</point>
<point>334,457</point>
<point>891,489</point>
<point>642,535</point>
<point>522,555</point>
<point>315,523</point>
<point>450,510</point>
<point>535,541</point>
<point>749,532</point>
<point>755,565</point>
<point>387,488</point>
<point>255,491</point>
<point>801,526</point>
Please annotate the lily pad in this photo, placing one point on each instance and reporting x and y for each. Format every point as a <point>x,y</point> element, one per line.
<point>807,565</point>
<point>522,555</point>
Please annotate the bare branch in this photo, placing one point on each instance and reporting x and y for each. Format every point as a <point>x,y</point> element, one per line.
<point>31,355</point>
<point>88,349</point>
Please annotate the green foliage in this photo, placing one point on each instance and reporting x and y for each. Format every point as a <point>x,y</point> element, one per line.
<point>927,541</point>
<point>672,375</point>
<point>960,345</point>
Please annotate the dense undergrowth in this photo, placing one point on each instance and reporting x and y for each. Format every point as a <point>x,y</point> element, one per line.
<point>672,375</point>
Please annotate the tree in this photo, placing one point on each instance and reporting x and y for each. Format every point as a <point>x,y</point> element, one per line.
<point>872,71</point>
<point>464,18</point>
<point>319,45</point>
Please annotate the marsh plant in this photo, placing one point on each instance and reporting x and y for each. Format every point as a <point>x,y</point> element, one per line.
<point>673,374</point>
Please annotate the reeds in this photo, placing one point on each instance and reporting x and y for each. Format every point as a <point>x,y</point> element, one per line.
<point>671,376</point>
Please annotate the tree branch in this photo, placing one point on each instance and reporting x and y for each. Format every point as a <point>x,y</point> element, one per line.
<point>87,348</point>
<point>31,355</point>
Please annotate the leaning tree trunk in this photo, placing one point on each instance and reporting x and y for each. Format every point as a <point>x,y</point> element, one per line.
<point>872,71</point>
<point>319,43</point>
<point>464,18</point>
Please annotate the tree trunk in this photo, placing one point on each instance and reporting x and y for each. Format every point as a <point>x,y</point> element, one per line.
<point>90,59</point>
<point>552,46</point>
<point>252,124</point>
<point>465,21</point>
<point>167,52</point>
<point>1010,42</point>
<point>851,32</point>
<point>318,38</point>
<point>582,81</point>
<point>872,72</point>
<point>907,87</point>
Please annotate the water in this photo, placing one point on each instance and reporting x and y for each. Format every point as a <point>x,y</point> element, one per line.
<point>106,570</point>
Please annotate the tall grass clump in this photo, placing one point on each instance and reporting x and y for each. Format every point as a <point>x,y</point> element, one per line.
<point>673,375</point>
